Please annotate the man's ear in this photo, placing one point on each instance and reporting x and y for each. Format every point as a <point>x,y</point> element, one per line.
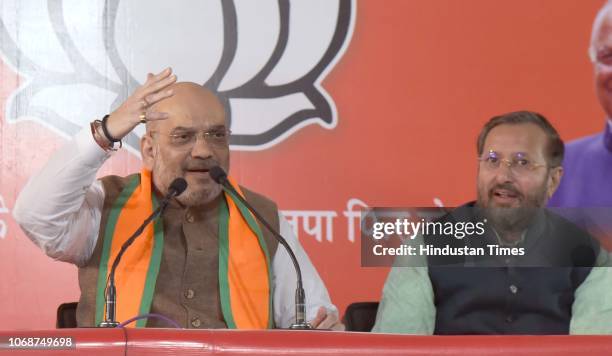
<point>146,150</point>
<point>554,179</point>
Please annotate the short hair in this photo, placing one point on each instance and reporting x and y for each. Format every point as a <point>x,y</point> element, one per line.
<point>555,148</point>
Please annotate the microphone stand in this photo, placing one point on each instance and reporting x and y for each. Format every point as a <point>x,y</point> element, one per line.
<point>110,296</point>
<point>219,176</point>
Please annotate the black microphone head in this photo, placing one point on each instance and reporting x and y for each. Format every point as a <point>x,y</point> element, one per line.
<point>217,174</point>
<point>177,186</point>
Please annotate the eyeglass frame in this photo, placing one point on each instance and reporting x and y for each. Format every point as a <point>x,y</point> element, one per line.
<point>205,134</point>
<point>511,164</point>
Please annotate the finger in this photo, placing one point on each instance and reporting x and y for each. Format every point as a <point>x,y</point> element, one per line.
<point>159,85</point>
<point>155,116</point>
<point>338,327</point>
<point>321,313</point>
<point>161,75</point>
<point>328,322</point>
<point>151,80</point>
<point>161,95</point>
<point>138,106</point>
<point>149,77</point>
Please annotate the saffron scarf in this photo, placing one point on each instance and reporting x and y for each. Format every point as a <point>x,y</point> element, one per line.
<point>244,264</point>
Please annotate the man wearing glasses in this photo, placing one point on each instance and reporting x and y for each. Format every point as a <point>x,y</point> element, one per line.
<point>553,287</point>
<point>205,263</point>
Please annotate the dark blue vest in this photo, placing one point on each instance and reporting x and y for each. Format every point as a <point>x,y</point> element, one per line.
<point>506,297</point>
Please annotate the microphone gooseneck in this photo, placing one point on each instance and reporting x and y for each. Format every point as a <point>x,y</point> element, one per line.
<point>218,175</point>
<point>177,187</point>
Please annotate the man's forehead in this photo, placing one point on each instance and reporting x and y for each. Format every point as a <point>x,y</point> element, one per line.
<point>196,118</point>
<point>191,106</point>
<point>189,120</point>
<point>526,138</point>
<point>602,28</point>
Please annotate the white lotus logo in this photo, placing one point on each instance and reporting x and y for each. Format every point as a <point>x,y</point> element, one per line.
<point>265,58</point>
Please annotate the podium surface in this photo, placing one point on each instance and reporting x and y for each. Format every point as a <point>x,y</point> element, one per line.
<point>92,341</point>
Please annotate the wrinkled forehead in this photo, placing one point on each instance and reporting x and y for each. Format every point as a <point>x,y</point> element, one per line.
<point>508,140</point>
<point>191,106</point>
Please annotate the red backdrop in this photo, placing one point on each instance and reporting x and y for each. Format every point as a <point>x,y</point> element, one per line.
<point>417,82</point>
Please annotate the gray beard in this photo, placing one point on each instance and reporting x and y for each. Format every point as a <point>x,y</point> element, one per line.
<point>189,198</point>
<point>513,220</point>
<point>510,220</point>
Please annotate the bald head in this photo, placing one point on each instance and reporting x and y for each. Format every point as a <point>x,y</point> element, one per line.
<point>600,53</point>
<point>188,96</point>
<point>601,28</point>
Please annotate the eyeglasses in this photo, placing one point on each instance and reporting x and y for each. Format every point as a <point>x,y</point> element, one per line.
<point>519,163</point>
<point>185,139</point>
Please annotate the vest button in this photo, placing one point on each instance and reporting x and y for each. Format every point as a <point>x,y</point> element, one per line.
<point>189,217</point>
<point>513,289</point>
<point>196,323</point>
<point>189,294</point>
<point>509,319</point>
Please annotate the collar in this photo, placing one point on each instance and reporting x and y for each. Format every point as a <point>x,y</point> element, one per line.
<point>505,243</point>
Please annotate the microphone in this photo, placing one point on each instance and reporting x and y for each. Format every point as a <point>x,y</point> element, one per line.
<point>218,175</point>
<point>177,187</point>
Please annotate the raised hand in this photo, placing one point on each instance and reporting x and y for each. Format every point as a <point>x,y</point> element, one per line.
<point>136,109</point>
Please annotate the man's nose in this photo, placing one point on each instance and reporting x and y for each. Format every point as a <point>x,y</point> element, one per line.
<point>201,148</point>
<point>504,172</point>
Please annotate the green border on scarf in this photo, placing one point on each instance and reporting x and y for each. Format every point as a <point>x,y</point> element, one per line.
<point>224,258</point>
<point>153,271</point>
<point>108,239</point>
<point>224,292</point>
<point>154,264</point>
